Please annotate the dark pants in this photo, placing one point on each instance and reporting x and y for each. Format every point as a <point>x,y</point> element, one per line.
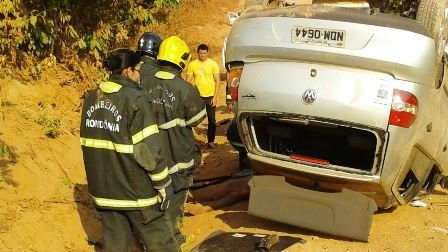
<point>120,225</point>
<point>211,117</point>
<point>175,211</point>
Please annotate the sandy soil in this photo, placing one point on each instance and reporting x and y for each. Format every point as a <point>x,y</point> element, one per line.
<point>44,204</point>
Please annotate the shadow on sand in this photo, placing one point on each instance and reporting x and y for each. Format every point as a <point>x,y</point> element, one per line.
<point>8,157</point>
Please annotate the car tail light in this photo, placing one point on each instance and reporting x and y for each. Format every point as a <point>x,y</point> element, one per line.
<point>404,108</point>
<point>233,81</point>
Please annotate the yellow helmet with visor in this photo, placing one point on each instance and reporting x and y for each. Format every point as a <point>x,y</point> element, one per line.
<point>174,50</point>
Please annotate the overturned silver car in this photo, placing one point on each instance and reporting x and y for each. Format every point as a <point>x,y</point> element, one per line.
<point>334,98</point>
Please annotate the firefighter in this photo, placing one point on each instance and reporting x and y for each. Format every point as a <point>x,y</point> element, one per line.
<point>178,107</point>
<point>127,174</point>
<point>148,47</point>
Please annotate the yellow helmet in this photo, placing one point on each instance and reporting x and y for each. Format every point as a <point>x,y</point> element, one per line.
<point>174,50</point>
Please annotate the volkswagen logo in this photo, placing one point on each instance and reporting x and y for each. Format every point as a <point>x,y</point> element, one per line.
<point>309,96</point>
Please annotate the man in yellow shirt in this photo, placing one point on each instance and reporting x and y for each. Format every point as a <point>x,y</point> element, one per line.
<point>204,74</point>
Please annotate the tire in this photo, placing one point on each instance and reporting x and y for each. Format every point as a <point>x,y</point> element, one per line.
<point>444,182</point>
<point>431,13</point>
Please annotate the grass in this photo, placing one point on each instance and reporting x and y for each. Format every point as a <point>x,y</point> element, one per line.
<point>66,182</point>
<point>4,150</point>
<point>51,124</point>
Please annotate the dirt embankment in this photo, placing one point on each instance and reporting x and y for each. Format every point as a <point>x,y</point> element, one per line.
<point>44,203</point>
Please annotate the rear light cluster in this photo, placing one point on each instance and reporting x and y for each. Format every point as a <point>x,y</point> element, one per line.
<point>404,108</point>
<point>233,81</point>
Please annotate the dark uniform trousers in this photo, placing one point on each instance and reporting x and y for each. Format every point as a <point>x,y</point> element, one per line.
<point>182,180</point>
<point>119,227</point>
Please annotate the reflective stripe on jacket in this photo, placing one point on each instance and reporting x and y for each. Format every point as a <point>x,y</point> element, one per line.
<point>125,203</point>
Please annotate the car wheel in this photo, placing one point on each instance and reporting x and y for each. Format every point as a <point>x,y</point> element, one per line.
<point>444,182</point>
<point>433,15</point>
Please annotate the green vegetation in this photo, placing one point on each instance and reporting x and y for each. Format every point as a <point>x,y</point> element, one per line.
<point>4,149</point>
<point>35,34</point>
<point>64,28</point>
<point>398,6</point>
<point>52,124</point>
<point>66,182</point>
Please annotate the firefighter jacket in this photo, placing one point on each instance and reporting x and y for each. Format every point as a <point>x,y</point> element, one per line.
<point>178,107</point>
<point>121,147</point>
<point>149,68</point>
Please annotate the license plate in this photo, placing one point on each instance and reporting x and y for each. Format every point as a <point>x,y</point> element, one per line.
<point>318,36</point>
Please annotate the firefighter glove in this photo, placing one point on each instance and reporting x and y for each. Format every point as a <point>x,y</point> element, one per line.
<point>165,195</point>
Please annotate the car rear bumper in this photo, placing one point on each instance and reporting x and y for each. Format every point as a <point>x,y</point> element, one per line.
<point>346,213</point>
<point>369,186</point>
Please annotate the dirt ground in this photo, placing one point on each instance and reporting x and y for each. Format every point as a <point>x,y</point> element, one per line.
<point>44,203</point>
